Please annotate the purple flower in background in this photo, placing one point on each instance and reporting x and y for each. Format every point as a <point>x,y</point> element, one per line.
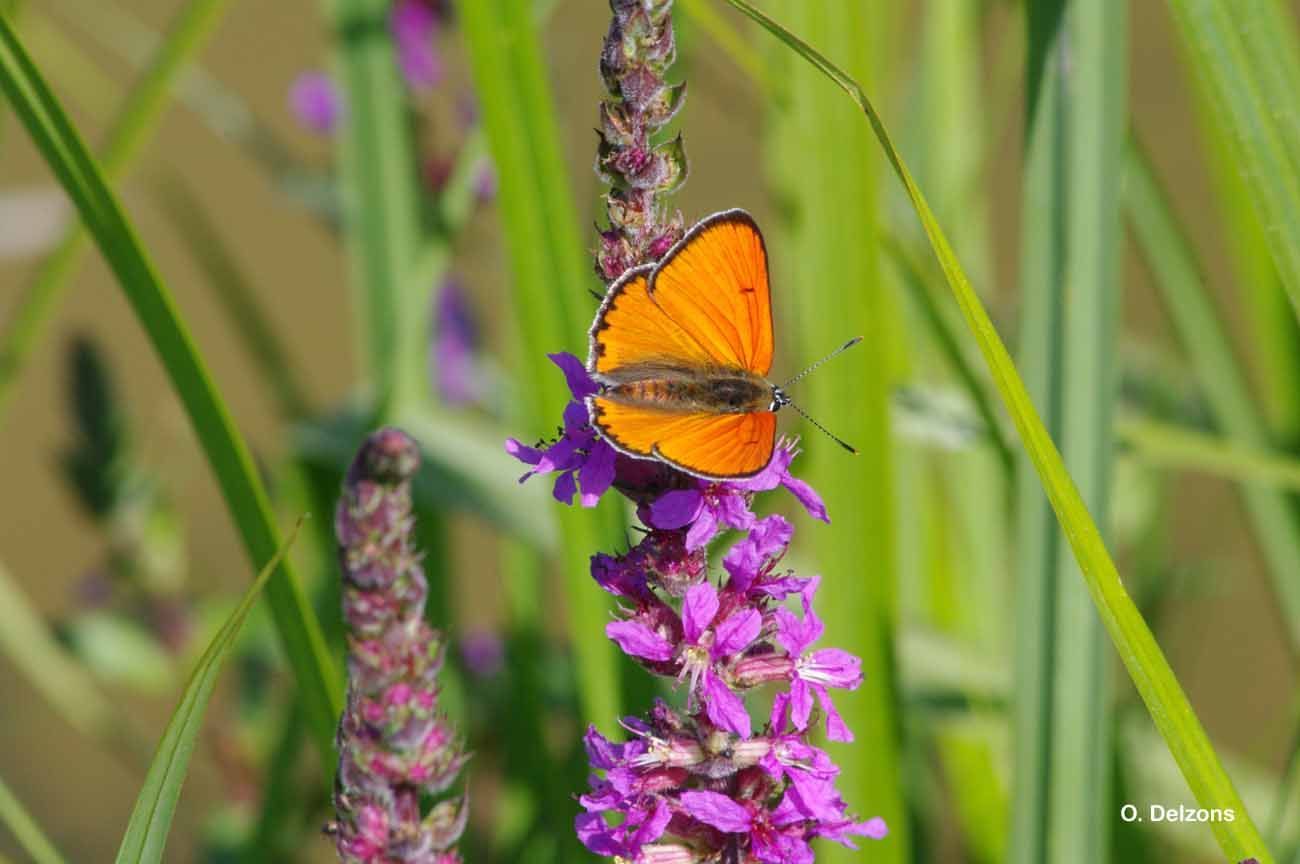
<point>483,652</point>
<point>395,750</point>
<point>580,458</point>
<point>414,25</point>
<point>316,102</point>
<point>455,343</point>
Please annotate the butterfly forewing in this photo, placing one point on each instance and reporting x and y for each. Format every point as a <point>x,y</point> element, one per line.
<point>682,349</point>
<point>714,286</point>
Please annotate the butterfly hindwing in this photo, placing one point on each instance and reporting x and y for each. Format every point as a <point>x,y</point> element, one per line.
<point>714,286</point>
<point>715,446</point>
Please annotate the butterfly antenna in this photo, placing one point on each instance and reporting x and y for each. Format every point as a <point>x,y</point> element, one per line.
<point>840,350</point>
<point>829,434</point>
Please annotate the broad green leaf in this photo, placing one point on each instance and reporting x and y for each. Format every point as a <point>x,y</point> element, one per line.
<point>227,454</point>
<point>1145,662</point>
<point>151,818</point>
<point>120,650</point>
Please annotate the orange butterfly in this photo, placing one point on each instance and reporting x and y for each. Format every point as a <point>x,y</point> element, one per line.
<point>682,349</point>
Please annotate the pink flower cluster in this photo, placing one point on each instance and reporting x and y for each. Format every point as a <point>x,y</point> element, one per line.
<point>394,747</point>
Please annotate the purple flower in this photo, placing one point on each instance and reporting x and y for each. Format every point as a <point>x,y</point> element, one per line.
<point>483,652</point>
<point>316,102</point>
<point>581,459</point>
<point>813,673</point>
<point>455,343</point>
<point>710,506</point>
<point>414,25</point>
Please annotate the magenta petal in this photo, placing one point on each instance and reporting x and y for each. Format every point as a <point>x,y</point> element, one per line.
<point>576,419</point>
<point>801,704</point>
<point>791,632</point>
<point>724,707</point>
<point>698,609</point>
<point>736,633</point>
<point>716,810</point>
<point>522,452</point>
<point>596,836</point>
<point>316,102</point>
<point>597,473</point>
<point>565,487</point>
<point>676,509</point>
<point>639,640</point>
<point>875,828</point>
<point>780,705</point>
<point>702,531</point>
<point>833,667</point>
<point>653,828</point>
<point>733,511</point>
<point>808,497</point>
<point>836,728</point>
<point>575,374</point>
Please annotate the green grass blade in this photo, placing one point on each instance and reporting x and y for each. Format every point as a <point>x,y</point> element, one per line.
<point>549,300</point>
<point>1147,667</point>
<point>131,130</point>
<point>25,829</point>
<point>1245,54</point>
<point>151,818</point>
<point>1177,277</point>
<point>832,243</point>
<point>380,208</point>
<point>1042,257</point>
<point>1096,43</point>
<point>1171,446</point>
<point>226,452</point>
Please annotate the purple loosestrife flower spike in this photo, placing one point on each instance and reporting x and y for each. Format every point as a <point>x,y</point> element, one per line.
<point>636,55</point>
<point>699,784</point>
<point>414,25</point>
<point>394,748</point>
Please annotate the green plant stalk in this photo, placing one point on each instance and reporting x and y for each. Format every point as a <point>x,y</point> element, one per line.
<point>832,244</point>
<point>225,450</point>
<point>550,276</point>
<point>1042,277</point>
<point>1177,277</point>
<point>1081,811</point>
<point>146,832</point>
<point>968,579</point>
<point>25,829</point>
<point>1245,53</point>
<point>380,209</point>
<point>1147,667</point>
<point>133,127</point>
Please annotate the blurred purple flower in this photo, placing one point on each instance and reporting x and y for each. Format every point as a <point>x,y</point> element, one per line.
<point>455,343</point>
<point>483,652</point>
<point>414,25</point>
<point>316,102</point>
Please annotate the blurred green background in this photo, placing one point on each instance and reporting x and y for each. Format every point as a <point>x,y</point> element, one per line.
<point>949,77</point>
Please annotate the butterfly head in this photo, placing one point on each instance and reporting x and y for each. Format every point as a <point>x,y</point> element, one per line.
<point>779,399</point>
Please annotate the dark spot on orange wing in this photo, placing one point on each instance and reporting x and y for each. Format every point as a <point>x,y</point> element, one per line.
<point>747,289</point>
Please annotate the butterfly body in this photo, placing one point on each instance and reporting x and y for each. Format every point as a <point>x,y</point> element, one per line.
<point>685,390</point>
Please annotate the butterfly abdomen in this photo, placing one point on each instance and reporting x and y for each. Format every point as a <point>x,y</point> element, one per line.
<point>722,392</point>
